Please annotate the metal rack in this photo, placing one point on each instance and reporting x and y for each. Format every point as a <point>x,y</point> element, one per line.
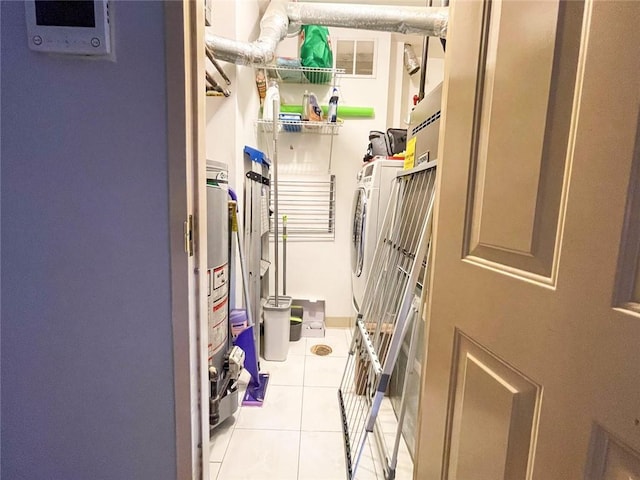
<point>309,203</point>
<point>299,75</point>
<point>389,311</point>
<point>304,75</point>
<point>295,126</point>
<point>256,235</point>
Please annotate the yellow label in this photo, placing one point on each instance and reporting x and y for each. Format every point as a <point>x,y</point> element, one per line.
<point>233,216</point>
<point>409,158</point>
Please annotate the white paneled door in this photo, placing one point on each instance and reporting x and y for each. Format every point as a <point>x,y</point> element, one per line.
<point>533,357</point>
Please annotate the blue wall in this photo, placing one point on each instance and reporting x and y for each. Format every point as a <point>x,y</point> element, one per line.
<point>86,348</point>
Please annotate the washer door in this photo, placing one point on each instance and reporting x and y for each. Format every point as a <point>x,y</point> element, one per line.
<point>359,218</point>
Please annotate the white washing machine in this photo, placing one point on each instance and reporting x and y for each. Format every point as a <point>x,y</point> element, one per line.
<point>369,206</point>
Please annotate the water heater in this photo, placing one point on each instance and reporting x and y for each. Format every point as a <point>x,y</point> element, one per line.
<point>218,261</point>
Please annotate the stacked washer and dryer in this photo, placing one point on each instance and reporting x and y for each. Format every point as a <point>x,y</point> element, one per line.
<point>370,201</point>
<point>374,182</point>
<point>369,208</point>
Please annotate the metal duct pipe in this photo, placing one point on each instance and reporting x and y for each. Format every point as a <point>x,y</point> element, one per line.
<point>273,28</point>
<point>282,18</point>
<point>430,21</point>
<point>411,63</point>
<point>215,63</point>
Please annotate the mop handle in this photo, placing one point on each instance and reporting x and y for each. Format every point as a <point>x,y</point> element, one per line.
<point>276,113</point>
<point>235,225</point>
<point>284,255</point>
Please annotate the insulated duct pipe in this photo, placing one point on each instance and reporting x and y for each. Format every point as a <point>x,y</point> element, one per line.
<point>282,18</point>
<point>273,28</point>
<point>421,20</point>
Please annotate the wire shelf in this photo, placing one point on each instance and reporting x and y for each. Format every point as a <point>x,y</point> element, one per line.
<point>303,75</point>
<point>302,126</point>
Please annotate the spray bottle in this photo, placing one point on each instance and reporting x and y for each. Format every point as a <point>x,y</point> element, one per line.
<point>332,111</point>
<point>273,92</point>
<point>305,106</point>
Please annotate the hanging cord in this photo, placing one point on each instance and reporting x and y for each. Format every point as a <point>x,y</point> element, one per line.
<point>425,58</point>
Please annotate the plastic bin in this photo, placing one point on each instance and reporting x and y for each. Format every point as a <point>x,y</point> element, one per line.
<point>276,328</point>
<point>312,317</point>
<point>296,323</point>
<point>295,329</point>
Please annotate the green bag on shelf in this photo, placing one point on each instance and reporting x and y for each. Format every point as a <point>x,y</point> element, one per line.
<point>315,52</point>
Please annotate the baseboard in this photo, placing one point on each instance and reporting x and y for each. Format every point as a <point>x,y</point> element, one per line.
<point>339,322</point>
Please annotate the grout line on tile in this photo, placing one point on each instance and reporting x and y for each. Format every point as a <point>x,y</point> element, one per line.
<point>233,429</point>
<point>219,468</point>
<point>304,367</point>
<point>300,437</point>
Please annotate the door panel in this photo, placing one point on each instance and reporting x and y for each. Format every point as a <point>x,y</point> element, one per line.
<point>539,301</point>
<point>522,125</point>
<point>611,459</point>
<point>627,294</point>
<point>495,406</point>
<point>513,83</point>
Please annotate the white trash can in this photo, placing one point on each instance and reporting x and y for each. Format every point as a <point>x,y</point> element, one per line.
<point>276,328</point>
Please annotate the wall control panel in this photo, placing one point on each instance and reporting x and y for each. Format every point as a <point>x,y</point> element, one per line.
<point>75,27</point>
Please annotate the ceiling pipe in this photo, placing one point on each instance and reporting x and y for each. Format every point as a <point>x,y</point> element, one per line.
<point>282,18</point>
<point>384,18</point>
<point>273,29</point>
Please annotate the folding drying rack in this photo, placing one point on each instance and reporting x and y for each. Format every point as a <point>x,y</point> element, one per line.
<point>388,312</point>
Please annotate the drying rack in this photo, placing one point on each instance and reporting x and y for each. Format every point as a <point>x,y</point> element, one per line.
<point>389,311</point>
<point>309,203</point>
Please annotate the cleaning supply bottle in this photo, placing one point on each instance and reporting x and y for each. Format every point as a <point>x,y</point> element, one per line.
<point>273,93</point>
<point>305,105</point>
<point>261,84</point>
<point>315,112</point>
<point>332,111</point>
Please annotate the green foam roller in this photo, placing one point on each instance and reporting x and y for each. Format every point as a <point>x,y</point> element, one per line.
<point>343,111</point>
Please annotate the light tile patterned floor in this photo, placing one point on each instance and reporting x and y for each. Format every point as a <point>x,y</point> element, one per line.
<point>297,433</point>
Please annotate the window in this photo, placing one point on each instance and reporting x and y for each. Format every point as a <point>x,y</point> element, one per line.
<point>356,57</point>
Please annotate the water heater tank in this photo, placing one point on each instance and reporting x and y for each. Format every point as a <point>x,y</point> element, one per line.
<point>218,260</point>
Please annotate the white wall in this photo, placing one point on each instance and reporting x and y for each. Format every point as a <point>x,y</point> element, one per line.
<point>87,366</point>
<point>321,270</point>
<point>405,86</point>
<point>410,85</point>
<point>230,120</point>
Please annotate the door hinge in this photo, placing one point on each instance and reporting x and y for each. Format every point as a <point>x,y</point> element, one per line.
<point>188,235</point>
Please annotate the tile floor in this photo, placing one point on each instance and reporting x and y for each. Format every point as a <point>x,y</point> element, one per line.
<point>297,433</point>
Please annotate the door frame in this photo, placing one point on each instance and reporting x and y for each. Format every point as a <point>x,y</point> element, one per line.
<point>184,55</point>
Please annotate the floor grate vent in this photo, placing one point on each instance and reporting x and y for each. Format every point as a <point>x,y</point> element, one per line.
<point>321,350</point>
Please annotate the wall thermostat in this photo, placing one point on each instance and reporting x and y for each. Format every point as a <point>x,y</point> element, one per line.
<point>69,26</point>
